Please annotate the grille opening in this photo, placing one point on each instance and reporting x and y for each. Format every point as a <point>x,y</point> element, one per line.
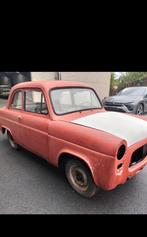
<point>121,152</point>
<point>114,109</point>
<point>138,155</point>
<point>129,107</point>
<point>113,104</point>
<point>119,166</point>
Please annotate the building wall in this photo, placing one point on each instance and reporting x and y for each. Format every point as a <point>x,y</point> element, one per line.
<point>38,76</point>
<point>100,81</point>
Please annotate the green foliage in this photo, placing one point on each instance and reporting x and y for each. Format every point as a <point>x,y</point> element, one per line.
<point>129,77</point>
<point>126,79</point>
<point>114,81</point>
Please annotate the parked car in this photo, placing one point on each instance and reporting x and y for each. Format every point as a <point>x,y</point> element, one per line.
<point>65,123</point>
<point>5,85</point>
<point>4,90</point>
<point>129,100</point>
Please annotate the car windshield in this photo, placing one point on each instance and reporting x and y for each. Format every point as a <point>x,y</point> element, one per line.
<point>68,100</point>
<point>133,91</point>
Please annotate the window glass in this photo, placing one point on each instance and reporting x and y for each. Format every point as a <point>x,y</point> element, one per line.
<point>133,91</point>
<point>67,100</point>
<point>17,101</point>
<point>35,102</point>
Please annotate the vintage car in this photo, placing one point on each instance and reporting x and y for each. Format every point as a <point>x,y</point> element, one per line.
<point>65,123</point>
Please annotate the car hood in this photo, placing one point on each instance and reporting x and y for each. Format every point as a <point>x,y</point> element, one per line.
<point>123,99</point>
<point>124,126</point>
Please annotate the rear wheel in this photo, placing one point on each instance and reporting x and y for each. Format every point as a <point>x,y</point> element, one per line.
<point>80,178</point>
<point>11,141</point>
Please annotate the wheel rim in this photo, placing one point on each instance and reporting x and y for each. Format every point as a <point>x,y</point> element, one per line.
<point>140,109</point>
<point>78,178</point>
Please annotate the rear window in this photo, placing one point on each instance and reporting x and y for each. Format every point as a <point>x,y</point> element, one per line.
<point>17,101</point>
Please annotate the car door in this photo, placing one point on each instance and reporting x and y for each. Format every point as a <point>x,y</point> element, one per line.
<point>35,122</point>
<point>14,114</point>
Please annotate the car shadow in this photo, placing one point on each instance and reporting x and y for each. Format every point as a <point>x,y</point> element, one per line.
<point>29,156</point>
<point>37,160</point>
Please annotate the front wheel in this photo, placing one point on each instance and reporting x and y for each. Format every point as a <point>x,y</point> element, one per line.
<point>11,141</point>
<point>140,109</point>
<point>80,178</point>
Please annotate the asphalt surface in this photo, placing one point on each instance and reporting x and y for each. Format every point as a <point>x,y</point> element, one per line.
<point>29,185</point>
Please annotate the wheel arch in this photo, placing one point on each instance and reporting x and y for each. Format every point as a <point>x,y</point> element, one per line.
<point>142,102</point>
<point>3,129</point>
<point>6,129</point>
<point>65,156</point>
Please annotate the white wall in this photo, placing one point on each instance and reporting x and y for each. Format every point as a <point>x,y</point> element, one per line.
<point>38,76</point>
<point>100,81</point>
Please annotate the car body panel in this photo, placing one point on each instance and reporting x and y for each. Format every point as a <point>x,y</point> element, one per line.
<point>51,136</point>
<point>127,127</point>
<point>35,128</point>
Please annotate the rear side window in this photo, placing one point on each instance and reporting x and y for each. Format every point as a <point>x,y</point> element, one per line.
<point>35,102</point>
<point>17,101</point>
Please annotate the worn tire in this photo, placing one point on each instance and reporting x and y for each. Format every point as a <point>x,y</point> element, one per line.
<point>11,141</point>
<point>80,178</point>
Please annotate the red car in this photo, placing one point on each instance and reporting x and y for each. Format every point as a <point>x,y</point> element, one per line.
<point>64,123</point>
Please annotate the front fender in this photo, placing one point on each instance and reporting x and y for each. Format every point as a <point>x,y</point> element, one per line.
<point>97,162</point>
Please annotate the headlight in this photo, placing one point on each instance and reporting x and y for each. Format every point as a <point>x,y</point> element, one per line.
<point>121,151</point>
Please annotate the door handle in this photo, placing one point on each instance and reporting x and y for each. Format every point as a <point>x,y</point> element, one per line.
<point>19,117</point>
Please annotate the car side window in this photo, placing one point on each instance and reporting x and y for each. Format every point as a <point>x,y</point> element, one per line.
<point>17,101</point>
<point>35,102</point>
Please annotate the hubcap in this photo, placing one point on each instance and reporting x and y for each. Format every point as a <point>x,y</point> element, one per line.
<point>78,178</point>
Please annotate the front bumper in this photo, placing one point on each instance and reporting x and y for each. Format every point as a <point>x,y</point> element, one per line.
<point>116,108</point>
<point>119,108</point>
<point>112,176</point>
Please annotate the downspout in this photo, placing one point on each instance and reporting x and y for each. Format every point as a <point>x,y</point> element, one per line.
<point>58,76</point>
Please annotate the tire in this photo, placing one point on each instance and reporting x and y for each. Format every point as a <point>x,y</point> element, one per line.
<point>12,142</point>
<point>80,178</point>
<point>140,109</point>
